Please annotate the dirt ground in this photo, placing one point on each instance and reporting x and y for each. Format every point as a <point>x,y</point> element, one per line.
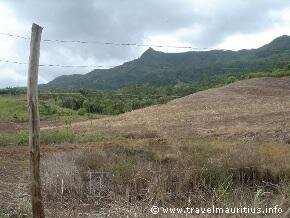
<point>14,174</point>
<point>11,127</point>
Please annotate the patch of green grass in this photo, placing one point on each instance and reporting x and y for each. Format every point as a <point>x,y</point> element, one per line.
<point>13,109</point>
<point>46,137</point>
<point>19,138</point>
<point>90,137</point>
<point>275,73</point>
<point>52,136</point>
<point>57,136</point>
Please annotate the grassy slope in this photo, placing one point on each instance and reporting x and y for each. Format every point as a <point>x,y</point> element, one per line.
<point>256,108</point>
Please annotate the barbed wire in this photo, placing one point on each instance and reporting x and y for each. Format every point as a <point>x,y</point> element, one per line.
<point>105,43</point>
<point>87,66</point>
<point>13,62</point>
<point>72,66</point>
<point>121,44</point>
<point>15,36</point>
<point>111,43</point>
<point>59,65</point>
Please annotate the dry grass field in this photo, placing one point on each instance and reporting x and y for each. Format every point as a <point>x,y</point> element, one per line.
<point>227,146</point>
<point>250,109</point>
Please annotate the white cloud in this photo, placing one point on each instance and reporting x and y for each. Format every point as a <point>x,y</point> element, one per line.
<point>258,39</point>
<point>11,76</point>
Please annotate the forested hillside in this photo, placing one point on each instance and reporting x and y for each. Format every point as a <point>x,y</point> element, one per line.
<point>161,69</point>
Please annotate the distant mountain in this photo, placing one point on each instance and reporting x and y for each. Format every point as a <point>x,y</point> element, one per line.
<point>159,68</point>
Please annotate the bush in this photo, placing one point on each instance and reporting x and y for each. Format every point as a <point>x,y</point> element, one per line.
<point>231,79</point>
<point>82,111</point>
<point>47,110</point>
<point>71,102</point>
<point>22,138</point>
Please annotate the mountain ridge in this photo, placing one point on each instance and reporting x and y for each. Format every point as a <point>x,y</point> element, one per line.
<point>160,68</point>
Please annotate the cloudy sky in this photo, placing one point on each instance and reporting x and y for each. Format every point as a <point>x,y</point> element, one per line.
<point>223,24</point>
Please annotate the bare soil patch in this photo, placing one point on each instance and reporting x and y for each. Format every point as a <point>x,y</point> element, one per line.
<point>9,127</point>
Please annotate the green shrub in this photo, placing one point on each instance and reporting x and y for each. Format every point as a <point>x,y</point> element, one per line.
<point>231,79</point>
<point>22,138</point>
<point>82,111</point>
<point>47,109</point>
<point>72,102</point>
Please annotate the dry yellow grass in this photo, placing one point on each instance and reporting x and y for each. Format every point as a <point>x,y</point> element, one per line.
<point>249,109</point>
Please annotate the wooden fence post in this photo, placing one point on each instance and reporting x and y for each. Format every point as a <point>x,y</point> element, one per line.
<point>34,129</point>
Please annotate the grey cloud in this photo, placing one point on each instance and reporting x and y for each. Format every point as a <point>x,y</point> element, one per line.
<point>239,16</point>
<point>206,23</point>
<point>105,21</point>
<point>118,21</point>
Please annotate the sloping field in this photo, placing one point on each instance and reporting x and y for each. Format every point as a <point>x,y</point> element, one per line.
<point>150,165</point>
<point>250,109</point>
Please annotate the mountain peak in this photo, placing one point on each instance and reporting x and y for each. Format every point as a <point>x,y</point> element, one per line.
<point>281,43</point>
<point>149,50</point>
<point>149,53</point>
<point>281,39</point>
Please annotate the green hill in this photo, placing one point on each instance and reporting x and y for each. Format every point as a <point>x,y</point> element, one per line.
<point>159,68</point>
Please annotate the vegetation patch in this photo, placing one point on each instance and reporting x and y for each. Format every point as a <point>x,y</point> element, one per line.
<point>132,174</point>
<point>18,138</point>
<point>13,109</point>
<point>51,136</point>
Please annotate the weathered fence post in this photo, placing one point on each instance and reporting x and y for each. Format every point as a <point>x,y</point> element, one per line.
<point>32,97</point>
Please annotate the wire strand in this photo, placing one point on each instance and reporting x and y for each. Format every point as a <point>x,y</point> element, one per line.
<point>15,36</point>
<point>13,62</point>
<point>122,44</point>
<point>58,65</point>
<point>100,67</point>
<point>109,43</point>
